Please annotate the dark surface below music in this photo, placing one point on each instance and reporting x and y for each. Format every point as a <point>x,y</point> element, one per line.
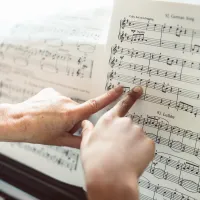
<point>35,183</point>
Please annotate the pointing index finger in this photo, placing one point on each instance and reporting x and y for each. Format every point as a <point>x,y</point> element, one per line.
<point>92,106</point>
<point>124,105</point>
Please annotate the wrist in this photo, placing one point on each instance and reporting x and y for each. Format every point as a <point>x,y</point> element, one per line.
<point>5,132</point>
<point>103,186</point>
<point>11,123</point>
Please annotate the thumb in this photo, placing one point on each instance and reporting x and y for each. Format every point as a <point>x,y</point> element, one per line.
<point>87,127</point>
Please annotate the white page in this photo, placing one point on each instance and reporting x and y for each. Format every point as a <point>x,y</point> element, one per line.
<point>195,2</point>
<point>51,48</point>
<point>57,50</point>
<point>156,45</point>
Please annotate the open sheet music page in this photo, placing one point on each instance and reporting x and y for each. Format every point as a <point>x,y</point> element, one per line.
<point>54,50</point>
<point>157,45</point>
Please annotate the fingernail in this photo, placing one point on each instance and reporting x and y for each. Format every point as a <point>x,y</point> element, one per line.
<point>137,89</point>
<point>119,89</point>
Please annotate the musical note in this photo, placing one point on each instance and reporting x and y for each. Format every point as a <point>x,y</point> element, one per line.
<point>184,106</point>
<point>195,48</point>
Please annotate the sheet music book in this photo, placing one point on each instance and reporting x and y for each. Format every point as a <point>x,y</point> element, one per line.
<point>155,44</point>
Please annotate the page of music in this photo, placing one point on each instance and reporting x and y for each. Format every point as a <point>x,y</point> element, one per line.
<point>157,45</point>
<point>53,50</point>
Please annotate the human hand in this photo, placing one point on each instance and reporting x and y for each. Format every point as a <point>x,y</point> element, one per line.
<point>115,153</point>
<point>50,118</point>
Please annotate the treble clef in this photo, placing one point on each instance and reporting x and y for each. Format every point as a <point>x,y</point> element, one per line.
<point>109,87</point>
<point>121,36</point>
<point>114,49</point>
<point>123,23</point>
<point>111,75</point>
<point>112,62</point>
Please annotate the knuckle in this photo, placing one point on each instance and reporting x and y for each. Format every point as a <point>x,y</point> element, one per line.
<point>127,120</point>
<point>68,114</point>
<point>138,132</point>
<point>151,146</point>
<point>109,93</point>
<point>107,118</point>
<point>93,104</point>
<point>138,129</point>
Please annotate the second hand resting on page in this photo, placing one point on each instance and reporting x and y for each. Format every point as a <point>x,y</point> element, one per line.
<point>114,153</point>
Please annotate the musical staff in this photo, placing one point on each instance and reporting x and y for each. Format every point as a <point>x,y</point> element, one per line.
<point>114,63</point>
<point>15,88</point>
<point>138,36</point>
<point>188,185</point>
<point>162,168</point>
<point>116,49</point>
<point>54,61</point>
<point>174,144</point>
<point>177,163</point>
<point>174,30</point>
<point>163,192</point>
<point>162,87</point>
<point>67,158</point>
<point>140,39</point>
<point>161,125</point>
<point>63,32</point>
<point>178,105</point>
<point>117,76</point>
<point>14,93</point>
